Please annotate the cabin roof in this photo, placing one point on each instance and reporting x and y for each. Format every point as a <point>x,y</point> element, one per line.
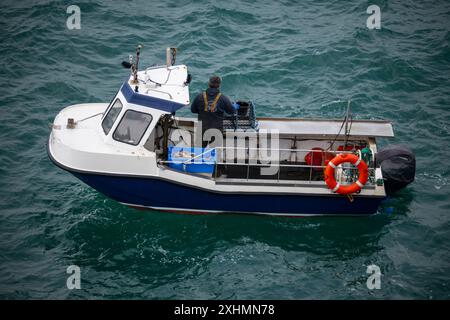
<point>162,88</point>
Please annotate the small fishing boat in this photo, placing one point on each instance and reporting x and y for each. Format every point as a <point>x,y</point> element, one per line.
<point>137,151</point>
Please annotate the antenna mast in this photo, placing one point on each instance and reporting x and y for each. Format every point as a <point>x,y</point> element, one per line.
<point>171,56</point>
<point>347,117</point>
<point>135,66</point>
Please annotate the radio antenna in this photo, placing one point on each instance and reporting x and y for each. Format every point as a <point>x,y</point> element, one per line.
<point>347,119</point>
<point>135,67</point>
<point>171,56</point>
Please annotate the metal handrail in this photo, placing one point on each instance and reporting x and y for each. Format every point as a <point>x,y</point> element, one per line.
<point>280,165</point>
<point>257,164</point>
<point>201,154</point>
<point>296,150</point>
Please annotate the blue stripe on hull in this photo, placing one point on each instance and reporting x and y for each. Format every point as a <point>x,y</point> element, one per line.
<point>153,192</point>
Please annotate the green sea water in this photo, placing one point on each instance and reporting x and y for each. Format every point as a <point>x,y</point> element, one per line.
<point>293,59</point>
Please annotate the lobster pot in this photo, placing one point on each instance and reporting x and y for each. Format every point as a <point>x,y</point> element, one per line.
<point>244,119</point>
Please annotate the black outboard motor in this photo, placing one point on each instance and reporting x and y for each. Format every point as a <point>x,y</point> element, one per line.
<point>398,165</point>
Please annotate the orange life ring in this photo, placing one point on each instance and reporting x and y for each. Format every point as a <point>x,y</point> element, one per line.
<point>355,187</point>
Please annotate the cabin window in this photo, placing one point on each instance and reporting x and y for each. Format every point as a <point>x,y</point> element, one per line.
<point>132,127</point>
<point>111,117</point>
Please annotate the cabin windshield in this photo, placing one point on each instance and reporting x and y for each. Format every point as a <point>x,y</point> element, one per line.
<point>132,127</point>
<point>111,117</point>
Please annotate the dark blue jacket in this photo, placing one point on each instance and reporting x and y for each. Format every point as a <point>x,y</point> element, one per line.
<point>212,119</point>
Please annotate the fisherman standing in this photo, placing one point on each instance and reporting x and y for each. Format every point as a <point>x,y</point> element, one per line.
<point>210,106</point>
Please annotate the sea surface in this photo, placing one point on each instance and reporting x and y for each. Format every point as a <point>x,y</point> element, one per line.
<point>293,59</point>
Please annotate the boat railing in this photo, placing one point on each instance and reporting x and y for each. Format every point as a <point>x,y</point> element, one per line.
<point>199,155</point>
<point>252,163</point>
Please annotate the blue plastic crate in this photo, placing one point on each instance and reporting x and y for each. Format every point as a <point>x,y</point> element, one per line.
<point>178,157</point>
